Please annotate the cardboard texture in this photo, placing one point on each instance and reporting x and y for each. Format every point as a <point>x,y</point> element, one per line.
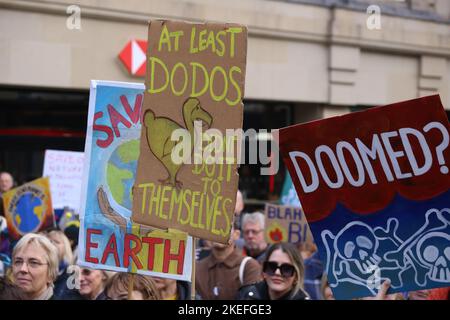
<point>374,186</point>
<point>195,72</point>
<point>28,208</point>
<point>286,224</point>
<point>108,238</point>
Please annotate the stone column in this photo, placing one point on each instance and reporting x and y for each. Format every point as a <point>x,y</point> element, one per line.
<point>344,64</point>
<point>432,71</point>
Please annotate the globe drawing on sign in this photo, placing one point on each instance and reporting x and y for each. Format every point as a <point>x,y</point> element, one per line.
<point>121,172</point>
<point>28,214</point>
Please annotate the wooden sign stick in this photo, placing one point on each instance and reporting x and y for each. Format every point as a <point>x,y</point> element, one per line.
<point>193,269</point>
<point>130,284</point>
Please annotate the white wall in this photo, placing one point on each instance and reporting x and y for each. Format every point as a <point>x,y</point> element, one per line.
<point>286,70</point>
<point>386,78</point>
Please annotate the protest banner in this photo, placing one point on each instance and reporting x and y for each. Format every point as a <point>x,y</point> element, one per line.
<point>286,224</point>
<point>28,208</point>
<point>108,238</point>
<point>374,186</point>
<point>65,171</point>
<point>194,90</point>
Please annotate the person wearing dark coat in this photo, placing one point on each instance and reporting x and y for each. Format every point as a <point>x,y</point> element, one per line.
<point>313,276</point>
<point>62,289</point>
<point>64,285</point>
<point>93,283</point>
<point>259,291</point>
<point>283,273</point>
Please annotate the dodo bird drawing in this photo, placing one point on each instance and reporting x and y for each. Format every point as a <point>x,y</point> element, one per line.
<point>159,132</point>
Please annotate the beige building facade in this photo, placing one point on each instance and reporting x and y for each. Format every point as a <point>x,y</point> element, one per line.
<point>297,52</point>
<point>320,58</point>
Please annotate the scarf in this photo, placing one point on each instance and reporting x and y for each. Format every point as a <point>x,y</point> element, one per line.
<point>46,295</point>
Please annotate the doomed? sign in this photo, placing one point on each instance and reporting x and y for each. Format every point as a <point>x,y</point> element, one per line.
<point>361,156</point>
<point>375,189</point>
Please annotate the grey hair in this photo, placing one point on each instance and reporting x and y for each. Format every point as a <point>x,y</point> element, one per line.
<point>49,248</point>
<point>255,217</point>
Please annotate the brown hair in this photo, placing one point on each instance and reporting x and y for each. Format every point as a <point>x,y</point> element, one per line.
<point>144,284</point>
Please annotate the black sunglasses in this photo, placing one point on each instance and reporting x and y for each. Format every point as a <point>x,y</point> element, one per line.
<point>270,267</point>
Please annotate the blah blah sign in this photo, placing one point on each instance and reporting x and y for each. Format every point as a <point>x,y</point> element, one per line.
<point>286,224</point>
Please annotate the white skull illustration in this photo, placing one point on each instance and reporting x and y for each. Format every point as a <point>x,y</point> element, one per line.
<point>433,251</point>
<point>357,243</point>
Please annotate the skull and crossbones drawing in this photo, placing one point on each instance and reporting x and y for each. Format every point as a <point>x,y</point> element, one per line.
<point>433,250</point>
<point>357,243</point>
<point>352,254</point>
<point>355,253</point>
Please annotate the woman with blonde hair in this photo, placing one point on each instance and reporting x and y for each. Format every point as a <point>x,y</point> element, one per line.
<point>62,243</point>
<point>93,283</point>
<point>62,289</point>
<point>283,273</point>
<point>35,266</point>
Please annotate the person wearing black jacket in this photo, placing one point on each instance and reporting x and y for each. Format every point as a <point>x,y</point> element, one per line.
<point>283,273</point>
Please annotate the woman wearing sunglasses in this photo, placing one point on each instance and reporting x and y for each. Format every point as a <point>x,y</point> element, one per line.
<point>283,274</point>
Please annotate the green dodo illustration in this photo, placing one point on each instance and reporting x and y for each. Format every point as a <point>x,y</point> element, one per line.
<point>159,131</point>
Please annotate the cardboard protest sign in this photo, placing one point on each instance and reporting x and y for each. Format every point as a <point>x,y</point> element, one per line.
<point>374,186</point>
<point>186,176</point>
<point>65,171</point>
<point>28,208</point>
<point>108,239</point>
<point>286,224</point>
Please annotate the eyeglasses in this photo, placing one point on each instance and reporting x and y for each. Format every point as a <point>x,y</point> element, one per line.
<point>255,232</point>
<point>33,264</point>
<point>270,267</point>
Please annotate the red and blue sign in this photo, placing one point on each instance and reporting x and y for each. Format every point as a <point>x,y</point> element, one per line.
<point>374,186</point>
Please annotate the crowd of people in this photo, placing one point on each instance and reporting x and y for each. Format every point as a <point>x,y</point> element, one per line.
<point>42,266</point>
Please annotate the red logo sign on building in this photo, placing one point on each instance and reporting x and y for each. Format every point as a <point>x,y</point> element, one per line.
<point>133,57</point>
